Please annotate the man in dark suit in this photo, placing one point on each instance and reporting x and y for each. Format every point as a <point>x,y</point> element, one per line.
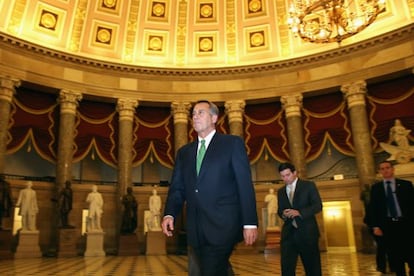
<point>220,198</point>
<point>298,203</point>
<point>392,218</point>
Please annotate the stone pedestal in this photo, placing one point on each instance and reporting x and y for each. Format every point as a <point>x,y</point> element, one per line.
<point>67,242</point>
<point>128,245</point>
<point>28,245</point>
<point>156,243</point>
<point>272,239</point>
<point>94,244</point>
<point>6,240</point>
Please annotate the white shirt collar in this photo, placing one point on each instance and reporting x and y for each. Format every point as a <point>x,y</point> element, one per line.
<point>207,138</point>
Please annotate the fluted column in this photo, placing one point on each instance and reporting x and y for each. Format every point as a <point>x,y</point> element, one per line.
<point>355,96</point>
<point>7,89</point>
<point>292,105</point>
<point>235,111</point>
<point>126,109</point>
<point>180,111</point>
<point>68,101</point>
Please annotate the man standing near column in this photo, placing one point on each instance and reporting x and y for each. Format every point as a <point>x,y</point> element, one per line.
<point>218,192</point>
<point>298,203</point>
<point>391,213</point>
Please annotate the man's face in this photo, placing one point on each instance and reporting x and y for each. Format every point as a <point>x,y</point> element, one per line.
<point>386,170</point>
<point>203,121</point>
<point>288,176</point>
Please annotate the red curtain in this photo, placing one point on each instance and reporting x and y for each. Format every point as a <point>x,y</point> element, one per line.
<point>96,132</point>
<point>153,135</point>
<point>34,122</point>
<point>265,131</point>
<point>325,119</point>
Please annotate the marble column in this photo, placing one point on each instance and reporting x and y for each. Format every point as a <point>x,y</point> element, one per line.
<point>180,111</point>
<point>7,89</point>
<point>292,106</point>
<point>235,111</point>
<point>126,109</point>
<point>355,96</point>
<point>68,101</point>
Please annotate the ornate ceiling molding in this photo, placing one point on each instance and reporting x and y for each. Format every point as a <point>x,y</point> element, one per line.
<point>403,34</point>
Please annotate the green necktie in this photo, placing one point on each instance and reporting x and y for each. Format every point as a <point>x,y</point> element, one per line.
<point>200,154</point>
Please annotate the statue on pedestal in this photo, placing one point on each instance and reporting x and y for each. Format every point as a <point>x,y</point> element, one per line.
<point>95,201</point>
<point>154,219</point>
<point>65,204</point>
<point>6,203</point>
<point>129,218</point>
<point>271,204</point>
<point>27,202</point>
<point>399,148</point>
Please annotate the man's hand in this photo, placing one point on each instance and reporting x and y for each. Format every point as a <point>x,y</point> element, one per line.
<point>167,226</point>
<point>291,213</point>
<point>250,235</point>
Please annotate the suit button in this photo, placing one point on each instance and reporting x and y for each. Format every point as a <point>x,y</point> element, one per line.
<point>196,190</point>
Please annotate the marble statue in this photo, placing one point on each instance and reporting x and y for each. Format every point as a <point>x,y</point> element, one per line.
<point>154,218</point>
<point>27,202</point>
<point>96,202</point>
<point>271,204</point>
<point>129,217</point>
<point>400,149</point>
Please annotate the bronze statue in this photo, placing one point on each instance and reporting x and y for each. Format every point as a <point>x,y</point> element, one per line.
<point>6,204</point>
<point>65,204</point>
<point>129,218</point>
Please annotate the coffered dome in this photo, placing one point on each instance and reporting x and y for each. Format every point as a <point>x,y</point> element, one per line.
<point>183,34</point>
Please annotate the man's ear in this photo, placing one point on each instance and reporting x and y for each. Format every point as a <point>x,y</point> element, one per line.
<point>214,118</point>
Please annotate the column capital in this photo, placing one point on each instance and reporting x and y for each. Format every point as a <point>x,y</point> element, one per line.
<point>180,111</point>
<point>234,110</point>
<point>126,108</point>
<point>355,93</point>
<point>292,104</point>
<point>7,87</point>
<point>69,101</point>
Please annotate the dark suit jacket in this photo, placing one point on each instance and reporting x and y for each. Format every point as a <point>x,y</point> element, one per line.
<point>221,199</point>
<point>377,207</point>
<point>308,202</point>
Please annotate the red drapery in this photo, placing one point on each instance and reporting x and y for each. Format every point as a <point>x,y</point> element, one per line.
<point>325,119</point>
<point>34,122</point>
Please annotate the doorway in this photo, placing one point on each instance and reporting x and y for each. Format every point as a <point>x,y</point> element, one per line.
<point>339,230</point>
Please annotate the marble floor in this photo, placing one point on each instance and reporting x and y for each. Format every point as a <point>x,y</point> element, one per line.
<point>334,264</point>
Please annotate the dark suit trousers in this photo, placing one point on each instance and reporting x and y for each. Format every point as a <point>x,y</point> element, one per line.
<point>213,260</point>
<point>381,254</point>
<point>293,246</point>
<point>399,242</point>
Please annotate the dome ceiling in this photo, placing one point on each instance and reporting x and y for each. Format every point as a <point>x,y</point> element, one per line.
<point>174,34</point>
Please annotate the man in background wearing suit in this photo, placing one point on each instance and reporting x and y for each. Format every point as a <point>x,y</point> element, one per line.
<point>219,196</point>
<point>298,203</point>
<point>392,218</point>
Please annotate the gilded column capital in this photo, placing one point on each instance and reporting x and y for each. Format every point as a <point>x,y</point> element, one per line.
<point>234,110</point>
<point>180,111</point>
<point>126,108</point>
<point>69,101</point>
<point>7,87</point>
<point>292,105</point>
<point>355,93</point>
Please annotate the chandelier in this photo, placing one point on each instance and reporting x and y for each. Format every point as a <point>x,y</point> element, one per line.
<point>332,20</point>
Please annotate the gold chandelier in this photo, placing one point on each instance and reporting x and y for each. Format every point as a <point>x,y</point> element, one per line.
<point>332,20</point>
